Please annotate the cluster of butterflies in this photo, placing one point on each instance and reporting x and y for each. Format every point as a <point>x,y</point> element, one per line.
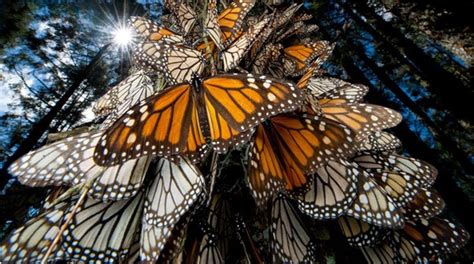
<point>167,173</point>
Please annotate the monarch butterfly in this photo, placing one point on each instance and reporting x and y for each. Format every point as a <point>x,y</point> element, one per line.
<point>204,249</point>
<point>178,63</point>
<point>30,242</point>
<point>361,234</point>
<point>170,21</point>
<point>47,165</point>
<point>275,69</point>
<point>298,58</point>
<point>338,101</point>
<point>296,29</point>
<point>313,70</point>
<point>265,35</point>
<point>290,239</point>
<point>136,94</point>
<point>148,30</point>
<point>230,237</point>
<point>153,241</point>
<point>373,205</point>
<point>291,146</point>
<point>361,118</point>
<point>221,219</point>
<point>93,219</point>
<point>229,24</point>
<point>146,128</point>
<point>233,54</point>
<point>186,17</point>
<point>218,231</point>
<point>208,250</point>
<point>278,19</point>
<point>308,29</point>
<point>175,243</point>
<point>175,188</point>
<point>88,237</point>
<point>237,50</point>
<point>332,190</point>
<point>212,27</point>
<point>251,251</point>
<point>70,162</point>
<point>424,240</point>
<point>273,2</point>
<point>380,141</point>
<point>384,252</point>
<point>92,235</point>
<point>114,183</point>
<point>134,251</point>
<point>207,47</point>
<point>286,15</point>
<point>420,170</point>
<point>230,20</point>
<point>430,239</point>
<point>301,17</point>
<point>426,204</point>
<point>401,186</point>
<point>442,235</point>
<point>333,88</point>
<point>270,52</point>
<point>287,32</point>
<point>136,86</point>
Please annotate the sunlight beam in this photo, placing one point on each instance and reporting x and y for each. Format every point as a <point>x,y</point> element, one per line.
<point>122,36</point>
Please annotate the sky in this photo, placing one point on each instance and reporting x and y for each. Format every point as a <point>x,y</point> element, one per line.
<point>41,28</point>
<point>6,95</point>
<point>5,98</point>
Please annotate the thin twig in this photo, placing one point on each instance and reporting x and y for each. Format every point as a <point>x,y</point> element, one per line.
<point>211,55</point>
<point>204,15</point>
<point>85,188</point>
<point>64,226</point>
<point>215,157</point>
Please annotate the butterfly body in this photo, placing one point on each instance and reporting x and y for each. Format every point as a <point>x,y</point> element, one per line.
<point>178,120</point>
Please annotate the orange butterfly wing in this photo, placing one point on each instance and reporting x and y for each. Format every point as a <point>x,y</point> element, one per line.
<point>293,146</point>
<point>266,175</point>
<point>147,29</point>
<point>361,118</point>
<point>163,124</point>
<point>300,53</point>
<point>243,101</point>
<point>230,20</point>
<point>313,70</point>
<point>299,57</point>
<point>306,143</point>
<point>169,123</point>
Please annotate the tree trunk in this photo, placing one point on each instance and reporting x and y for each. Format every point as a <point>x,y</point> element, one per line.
<point>453,86</point>
<point>43,125</point>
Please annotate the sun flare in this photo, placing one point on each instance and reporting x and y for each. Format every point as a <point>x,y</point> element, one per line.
<point>122,36</point>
